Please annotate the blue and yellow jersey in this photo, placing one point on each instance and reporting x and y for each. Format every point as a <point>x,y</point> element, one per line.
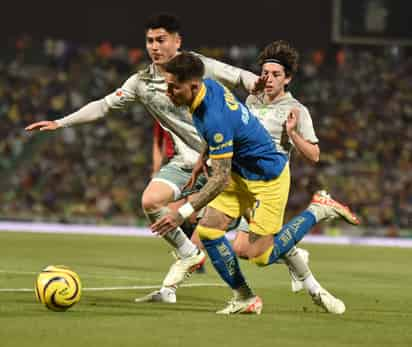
<point>231,131</point>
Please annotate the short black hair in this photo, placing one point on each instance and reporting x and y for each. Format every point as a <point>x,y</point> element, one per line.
<point>167,21</point>
<point>185,66</point>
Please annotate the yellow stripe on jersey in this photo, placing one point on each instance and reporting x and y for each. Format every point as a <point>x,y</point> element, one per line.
<point>199,98</point>
<point>221,156</point>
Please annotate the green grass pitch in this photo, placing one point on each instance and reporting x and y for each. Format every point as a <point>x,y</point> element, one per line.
<point>375,284</point>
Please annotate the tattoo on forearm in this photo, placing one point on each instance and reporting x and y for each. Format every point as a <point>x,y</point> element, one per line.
<point>216,183</point>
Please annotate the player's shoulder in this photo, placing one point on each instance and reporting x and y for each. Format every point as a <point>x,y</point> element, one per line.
<point>205,60</point>
<point>290,101</point>
<point>145,72</point>
<point>253,99</point>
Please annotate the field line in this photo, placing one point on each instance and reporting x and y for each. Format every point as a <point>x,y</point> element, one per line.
<point>102,289</point>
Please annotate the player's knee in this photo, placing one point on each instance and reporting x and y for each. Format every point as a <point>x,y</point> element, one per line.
<point>152,201</point>
<point>240,250</point>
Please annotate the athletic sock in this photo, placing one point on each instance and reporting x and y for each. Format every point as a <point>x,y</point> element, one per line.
<point>225,262</point>
<point>311,285</point>
<point>176,238</point>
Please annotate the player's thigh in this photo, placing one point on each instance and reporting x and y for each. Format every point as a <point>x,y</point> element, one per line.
<point>271,199</point>
<point>166,186</point>
<point>156,195</point>
<point>232,201</point>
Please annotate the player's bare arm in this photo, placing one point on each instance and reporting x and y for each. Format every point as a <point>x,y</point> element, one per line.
<point>310,151</point>
<point>88,113</point>
<point>221,169</point>
<point>215,185</point>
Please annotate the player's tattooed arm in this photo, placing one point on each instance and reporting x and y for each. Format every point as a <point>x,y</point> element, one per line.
<point>221,169</point>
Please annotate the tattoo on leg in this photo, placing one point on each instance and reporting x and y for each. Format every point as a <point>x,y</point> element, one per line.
<point>215,219</point>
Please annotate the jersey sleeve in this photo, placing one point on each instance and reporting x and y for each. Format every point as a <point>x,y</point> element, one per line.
<point>226,74</point>
<point>219,137</point>
<point>305,126</point>
<point>125,95</point>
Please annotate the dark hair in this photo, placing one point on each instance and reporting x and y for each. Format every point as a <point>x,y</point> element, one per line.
<point>283,52</point>
<point>169,22</point>
<point>185,66</point>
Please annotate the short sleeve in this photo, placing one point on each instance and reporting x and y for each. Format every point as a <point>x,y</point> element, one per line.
<point>219,137</point>
<point>305,126</point>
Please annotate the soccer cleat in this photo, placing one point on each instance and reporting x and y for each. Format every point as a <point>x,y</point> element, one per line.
<point>296,283</point>
<point>168,297</point>
<point>183,268</point>
<point>329,302</point>
<point>325,207</point>
<point>252,305</point>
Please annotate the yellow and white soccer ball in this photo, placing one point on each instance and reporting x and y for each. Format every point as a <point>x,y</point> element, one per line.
<point>58,287</point>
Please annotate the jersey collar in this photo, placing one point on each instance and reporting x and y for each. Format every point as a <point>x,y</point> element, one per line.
<point>199,98</point>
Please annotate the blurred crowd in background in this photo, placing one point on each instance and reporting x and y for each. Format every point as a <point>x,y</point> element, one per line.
<point>360,102</point>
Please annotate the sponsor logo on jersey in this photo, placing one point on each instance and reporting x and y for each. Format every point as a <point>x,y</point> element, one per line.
<point>218,137</point>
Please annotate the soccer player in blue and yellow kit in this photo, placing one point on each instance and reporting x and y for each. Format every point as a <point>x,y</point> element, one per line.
<point>247,172</point>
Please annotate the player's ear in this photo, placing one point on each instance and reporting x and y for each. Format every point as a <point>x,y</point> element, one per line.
<point>195,86</point>
<point>178,40</point>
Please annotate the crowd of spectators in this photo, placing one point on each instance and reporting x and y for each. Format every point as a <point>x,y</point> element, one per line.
<point>360,101</point>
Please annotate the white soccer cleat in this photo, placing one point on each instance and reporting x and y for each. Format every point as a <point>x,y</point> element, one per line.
<point>325,207</point>
<point>296,283</point>
<point>329,302</point>
<point>168,297</point>
<point>252,305</point>
<point>183,268</point>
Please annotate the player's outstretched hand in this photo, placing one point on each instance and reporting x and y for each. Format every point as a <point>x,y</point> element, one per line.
<point>259,85</point>
<point>167,223</point>
<point>43,125</point>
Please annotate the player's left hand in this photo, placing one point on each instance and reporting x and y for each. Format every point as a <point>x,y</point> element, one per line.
<point>167,223</point>
<point>292,120</point>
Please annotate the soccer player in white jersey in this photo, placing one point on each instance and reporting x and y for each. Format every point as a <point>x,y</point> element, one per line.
<point>290,125</point>
<point>148,87</point>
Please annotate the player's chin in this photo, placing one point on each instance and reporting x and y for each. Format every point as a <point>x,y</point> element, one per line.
<point>176,102</point>
<point>158,60</point>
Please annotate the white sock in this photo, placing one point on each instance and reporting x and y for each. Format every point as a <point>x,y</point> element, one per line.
<point>176,238</point>
<point>184,247</point>
<point>167,290</point>
<point>311,285</point>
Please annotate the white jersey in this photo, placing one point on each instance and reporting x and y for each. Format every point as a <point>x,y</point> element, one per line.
<point>149,88</point>
<point>273,115</point>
